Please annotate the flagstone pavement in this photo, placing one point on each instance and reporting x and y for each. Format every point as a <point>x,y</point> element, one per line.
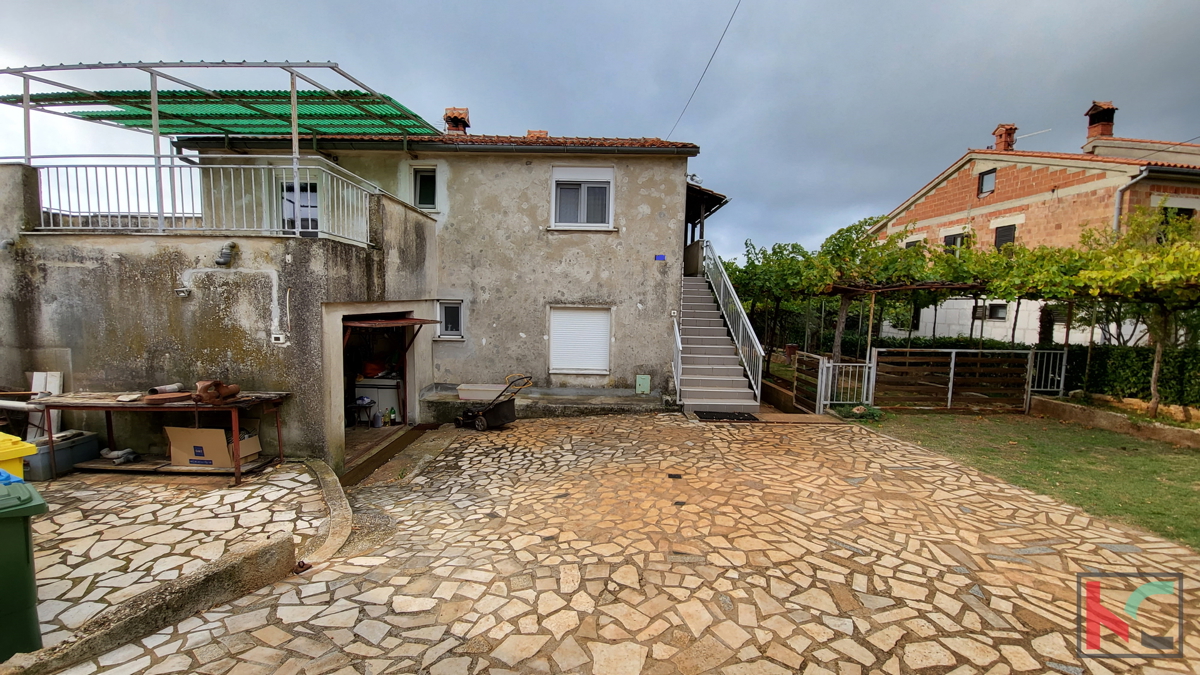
<point>108,537</point>
<point>654,544</point>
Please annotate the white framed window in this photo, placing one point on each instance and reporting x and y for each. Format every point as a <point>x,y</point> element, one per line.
<point>450,313</point>
<point>582,198</point>
<point>579,340</point>
<point>425,188</point>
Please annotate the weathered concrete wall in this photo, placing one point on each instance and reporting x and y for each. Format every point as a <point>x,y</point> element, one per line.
<point>104,304</point>
<point>500,258</point>
<point>497,254</point>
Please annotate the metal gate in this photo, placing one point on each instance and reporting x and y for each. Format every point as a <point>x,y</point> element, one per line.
<point>996,379</point>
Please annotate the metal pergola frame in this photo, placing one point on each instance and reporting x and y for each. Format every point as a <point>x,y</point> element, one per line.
<point>296,70</point>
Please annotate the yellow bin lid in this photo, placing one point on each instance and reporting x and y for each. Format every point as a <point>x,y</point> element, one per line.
<point>12,447</point>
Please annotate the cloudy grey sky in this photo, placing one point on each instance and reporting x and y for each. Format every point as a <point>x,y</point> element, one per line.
<point>813,114</point>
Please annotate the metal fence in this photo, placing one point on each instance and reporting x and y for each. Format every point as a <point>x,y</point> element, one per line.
<point>929,379</point>
<point>242,195</point>
<point>748,347</point>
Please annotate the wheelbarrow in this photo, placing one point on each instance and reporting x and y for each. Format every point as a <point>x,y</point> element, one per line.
<point>502,409</point>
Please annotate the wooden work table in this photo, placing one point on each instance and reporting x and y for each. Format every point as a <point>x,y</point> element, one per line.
<point>107,402</point>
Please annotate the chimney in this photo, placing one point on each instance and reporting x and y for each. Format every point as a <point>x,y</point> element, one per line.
<point>537,133</point>
<point>457,120</point>
<point>1006,136</point>
<point>1100,119</point>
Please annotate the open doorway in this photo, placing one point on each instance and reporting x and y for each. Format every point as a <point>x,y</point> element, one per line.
<point>375,365</point>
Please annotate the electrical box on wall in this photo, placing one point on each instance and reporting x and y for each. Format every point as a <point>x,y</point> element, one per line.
<point>642,384</point>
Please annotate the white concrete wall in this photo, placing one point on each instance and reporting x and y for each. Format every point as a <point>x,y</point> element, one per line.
<point>954,320</point>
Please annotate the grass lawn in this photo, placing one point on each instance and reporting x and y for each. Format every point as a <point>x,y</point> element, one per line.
<point>1147,484</point>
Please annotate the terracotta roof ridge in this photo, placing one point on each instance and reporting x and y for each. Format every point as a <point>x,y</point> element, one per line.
<point>1148,140</point>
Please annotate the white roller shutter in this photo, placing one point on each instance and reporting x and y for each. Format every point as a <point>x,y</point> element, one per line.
<point>579,339</point>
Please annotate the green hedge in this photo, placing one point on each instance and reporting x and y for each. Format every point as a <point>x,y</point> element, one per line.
<point>1125,372</point>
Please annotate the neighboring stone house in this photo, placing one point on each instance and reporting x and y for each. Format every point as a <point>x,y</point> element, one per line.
<point>402,262</point>
<point>1002,195</point>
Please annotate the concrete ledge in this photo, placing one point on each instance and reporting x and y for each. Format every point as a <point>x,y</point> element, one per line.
<point>443,408</point>
<point>340,516</point>
<point>247,567</point>
<point>1113,421</point>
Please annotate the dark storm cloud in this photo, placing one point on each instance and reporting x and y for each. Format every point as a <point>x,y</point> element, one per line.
<point>813,114</point>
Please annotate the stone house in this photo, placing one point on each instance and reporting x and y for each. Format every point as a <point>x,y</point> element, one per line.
<point>1001,194</point>
<point>409,259</point>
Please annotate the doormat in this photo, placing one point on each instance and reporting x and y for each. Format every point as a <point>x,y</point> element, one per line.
<point>725,416</point>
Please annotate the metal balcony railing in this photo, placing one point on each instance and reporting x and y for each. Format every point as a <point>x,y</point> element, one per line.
<point>239,195</point>
<point>748,347</point>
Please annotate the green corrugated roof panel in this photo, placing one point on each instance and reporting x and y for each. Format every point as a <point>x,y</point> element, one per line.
<point>243,112</point>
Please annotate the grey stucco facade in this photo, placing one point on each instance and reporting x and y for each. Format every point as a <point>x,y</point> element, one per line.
<point>501,255</point>
<point>101,308</point>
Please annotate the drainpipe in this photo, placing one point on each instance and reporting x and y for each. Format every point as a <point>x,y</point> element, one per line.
<point>1116,226</point>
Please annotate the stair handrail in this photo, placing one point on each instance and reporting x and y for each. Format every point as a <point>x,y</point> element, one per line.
<point>678,360</point>
<point>748,346</point>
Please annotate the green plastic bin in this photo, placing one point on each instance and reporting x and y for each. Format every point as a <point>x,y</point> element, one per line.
<point>18,609</point>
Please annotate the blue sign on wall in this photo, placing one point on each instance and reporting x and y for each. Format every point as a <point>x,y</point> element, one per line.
<point>660,257</point>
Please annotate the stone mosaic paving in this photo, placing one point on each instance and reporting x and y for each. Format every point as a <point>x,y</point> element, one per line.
<point>653,544</point>
<point>108,537</point>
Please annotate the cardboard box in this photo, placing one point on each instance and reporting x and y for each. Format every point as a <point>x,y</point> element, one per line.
<point>207,447</point>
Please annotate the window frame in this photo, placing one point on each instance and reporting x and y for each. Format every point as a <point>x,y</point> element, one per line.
<point>983,176</point>
<point>286,187</point>
<point>1006,228</point>
<point>442,334</point>
<point>550,341</point>
<point>991,311</point>
<point>416,186</point>
<point>960,239</point>
<point>583,176</point>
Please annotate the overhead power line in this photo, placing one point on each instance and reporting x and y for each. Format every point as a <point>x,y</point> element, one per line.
<point>1155,152</point>
<point>710,60</point>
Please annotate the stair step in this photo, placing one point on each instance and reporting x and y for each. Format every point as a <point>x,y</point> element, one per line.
<point>689,322</point>
<point>691,359</point>
<point>715,405</point>
<point>699,350</point>
<point>707,341</point>
<point>722,393</point>
<point>734,370</point>
<point>703,331</point>
<point>696,314</point>
<point>714,382</point>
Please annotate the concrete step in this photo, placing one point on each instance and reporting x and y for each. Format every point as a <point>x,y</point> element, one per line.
<point>701,306</point>
<point>707,341</point>
<point>697,293</point>
<point>715,405</point>
<point>691,359</point>
<point>701,350</point>
<point>715,370</point>
<point>703,331</point>
<point>722,393</point>
<point>714,382</point>
<point>702,314</point>
<point>702,323</point>
<point>695,283</point>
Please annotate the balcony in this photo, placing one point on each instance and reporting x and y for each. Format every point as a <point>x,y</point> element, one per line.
<point>224,195</point>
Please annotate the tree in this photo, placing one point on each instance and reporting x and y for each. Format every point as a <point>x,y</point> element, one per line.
<point>1153,261</point>
<point>852,260</point>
